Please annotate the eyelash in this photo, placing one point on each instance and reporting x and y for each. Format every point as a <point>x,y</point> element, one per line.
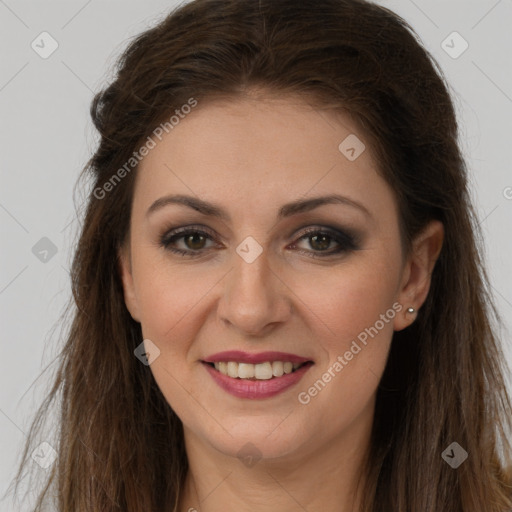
<point>346,241</point>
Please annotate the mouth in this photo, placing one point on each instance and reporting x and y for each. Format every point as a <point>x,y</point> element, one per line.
<point>256,376</point>
<point>268,370</point>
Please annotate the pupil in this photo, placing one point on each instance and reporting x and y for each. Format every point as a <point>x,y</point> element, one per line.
<point>192,237</point>
<point>321,245</point>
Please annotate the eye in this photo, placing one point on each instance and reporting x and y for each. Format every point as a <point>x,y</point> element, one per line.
<point>320,239</point>
<point>193,238</point>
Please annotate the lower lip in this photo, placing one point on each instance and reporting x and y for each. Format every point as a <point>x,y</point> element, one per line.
<point>257,389</point>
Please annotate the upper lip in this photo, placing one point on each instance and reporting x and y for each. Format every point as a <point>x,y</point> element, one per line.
<point>261,357</point>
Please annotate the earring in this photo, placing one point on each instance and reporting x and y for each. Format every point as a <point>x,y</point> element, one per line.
<point>410,310</point>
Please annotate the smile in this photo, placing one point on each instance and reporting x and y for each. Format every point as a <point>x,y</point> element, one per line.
<point>263,384</point>
<point>262,371</point>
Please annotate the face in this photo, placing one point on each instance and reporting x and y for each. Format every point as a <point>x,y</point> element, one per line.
<point>323,283</point>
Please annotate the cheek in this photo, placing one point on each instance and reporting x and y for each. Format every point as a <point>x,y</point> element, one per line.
<point>170,299</point>
<point>339,303</point>
<point>348,299</point>
<point>355,306</point>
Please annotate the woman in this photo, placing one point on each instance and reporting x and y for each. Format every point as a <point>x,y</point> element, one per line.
<point>280,302</point>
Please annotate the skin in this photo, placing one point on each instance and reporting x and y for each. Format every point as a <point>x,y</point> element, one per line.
<point>250,156</point>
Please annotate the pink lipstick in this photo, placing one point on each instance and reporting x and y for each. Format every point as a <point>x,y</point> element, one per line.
<point>256,376</point>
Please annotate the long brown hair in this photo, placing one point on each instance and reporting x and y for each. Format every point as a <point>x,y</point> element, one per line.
<point>120,445</point>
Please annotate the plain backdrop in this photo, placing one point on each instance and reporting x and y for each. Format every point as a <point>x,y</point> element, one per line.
<point>47,136</point>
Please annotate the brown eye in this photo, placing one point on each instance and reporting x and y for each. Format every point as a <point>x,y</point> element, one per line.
<point>321,239</point>
<point>193,240</point>
<point>320,242</point>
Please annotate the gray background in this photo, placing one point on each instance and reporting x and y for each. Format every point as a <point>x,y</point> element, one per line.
<point>46,137</point>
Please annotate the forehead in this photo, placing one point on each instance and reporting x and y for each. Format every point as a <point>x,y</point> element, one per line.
<point>256,152</point>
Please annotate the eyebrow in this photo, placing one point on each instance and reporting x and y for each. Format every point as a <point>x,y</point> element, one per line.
<point>287,210</point>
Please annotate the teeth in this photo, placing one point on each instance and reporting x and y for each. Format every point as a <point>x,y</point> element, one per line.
<point>261,371</point>
<point>246,371</point>
<point>233,369</point>
<point>277,369</point>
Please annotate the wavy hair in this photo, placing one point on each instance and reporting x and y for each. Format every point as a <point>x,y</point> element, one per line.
<point>120,445</point>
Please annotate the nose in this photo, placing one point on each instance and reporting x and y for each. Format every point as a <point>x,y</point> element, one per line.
<point>254,297</point>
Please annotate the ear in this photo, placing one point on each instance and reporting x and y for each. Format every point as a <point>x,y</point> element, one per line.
<point>125,270</point>
<point>417,272</point>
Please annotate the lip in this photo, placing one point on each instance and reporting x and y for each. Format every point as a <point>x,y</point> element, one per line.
<point>257,389</point>
<point>262,357</point>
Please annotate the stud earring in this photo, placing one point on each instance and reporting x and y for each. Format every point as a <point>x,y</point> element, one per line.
<point>410,310</point>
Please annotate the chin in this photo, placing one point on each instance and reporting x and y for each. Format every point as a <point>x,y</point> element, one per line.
<point>267,437</point>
